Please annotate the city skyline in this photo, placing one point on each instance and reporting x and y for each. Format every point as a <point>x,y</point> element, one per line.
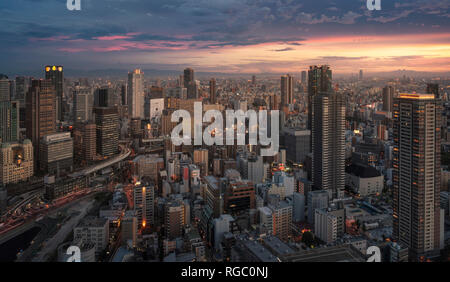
<point>227,36</point>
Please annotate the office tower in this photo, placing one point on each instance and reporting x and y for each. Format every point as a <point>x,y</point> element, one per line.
<point>239,197</point>
<point>56,153</point>
<point>16,162</point>
<point>316,200</point>
<point>135,94</point>
<point>287,90</point>
<point>325,226</point>
<point>5,88</point>
<point>433,88</point>
<point>361,76</point>
<point>222,225</point>
<point>83,102</point>
<point>21,89</point>
<point>304,77</point>
<point>9,121</point>
<point>93,230</point>
<point>56,75</point>
<point>417,174</point>
<point>85,141</point>
<point>123,94</point>
<point>296,142</point>
<point>129,228</point>
<point>190,84</point>
<point>298,213</point>
<point>144,203</point>
<point>104,97</point>
<point>388,98</point>
<point>254,79</point>
<point>319,80</point>
<point>107,122</point>
<point>174,219</point>
<point>213,196</point>
<point>41,113</point>
<point>212,91</point>
<point>328,143</point>
<point>22,85</point>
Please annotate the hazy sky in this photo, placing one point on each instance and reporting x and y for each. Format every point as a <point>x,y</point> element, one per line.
<point>248,36</point>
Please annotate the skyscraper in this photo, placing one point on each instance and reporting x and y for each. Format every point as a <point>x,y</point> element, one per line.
<point>361,76</point>
<point>107,123</point>
<point>56,75</point>
<point>83,102</point>
<point>287,90</point>
<point>319,80</point>
<point>56,153</point>
<point>104,97</point>
<point>433,88</point>
<point>9,121</point>
<point>303,77</point>
<point>5,88</point>
<point>328,143</point>
<point>417,174</point>
<point>21,89</point>
<point>189,83</point>
<point>144,203</point>
<point>212,91</point>
<point>85,141</point>
<point>40,112</point>
<point>388,98</point>
<point>135,94</point>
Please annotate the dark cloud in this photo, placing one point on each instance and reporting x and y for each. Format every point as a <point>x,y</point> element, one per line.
<point>205,24</point>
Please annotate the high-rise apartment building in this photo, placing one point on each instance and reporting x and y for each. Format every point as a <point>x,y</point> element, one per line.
<point>212,91</point>
<point>328,143</point>
<point>144,203</point>
<point>135,94</point>
<point>107,124</point>
<point>56,75</point>
<point>417,174</point>
<point>287,90</point>
<point>282,220</point>
<point>388,98</point>
<point>174,219</point>
<point>319,80</point>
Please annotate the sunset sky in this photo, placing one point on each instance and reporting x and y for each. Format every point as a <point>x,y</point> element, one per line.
<point>248,36</point>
